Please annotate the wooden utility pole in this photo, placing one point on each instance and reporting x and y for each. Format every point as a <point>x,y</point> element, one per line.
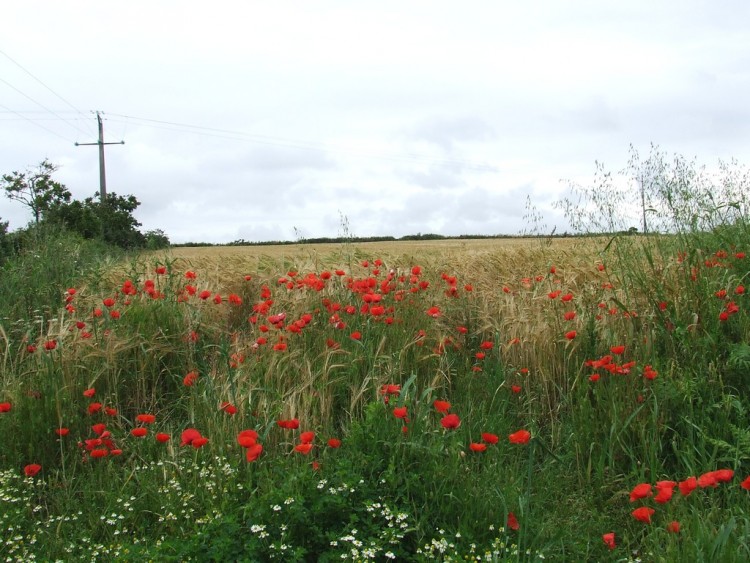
<point>100,144</point>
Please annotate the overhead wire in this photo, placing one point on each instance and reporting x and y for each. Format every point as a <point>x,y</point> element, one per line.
<point>297,144</point>
<point>67,140</point>
<point>58,96</point>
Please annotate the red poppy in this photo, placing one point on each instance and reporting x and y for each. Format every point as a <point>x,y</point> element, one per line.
<point>303,449</point>
<point>477,447</point>
<point>617,350</point>
<point>512,521</point>
<point>89,393</point>
<point>94,408</point>
<point>99,453</point>
<point>746,484</point>
<point>673,527</point>
<point>450,421</point>
<point>486,345</point>
<point>291,424</point>
<point>139,432</point>
<point>62,431</point>
<point>520,437</point>
<point>594,377</point>
<point>188,436</point>
<point>334,443</point>
<point>609,540</point>
<point>247,438</point>
<point>441,406</point>
<point>190,379</point>
<point>490,438</point>
<point>400,412</point>
<point>569,315</point>
<point>253,452</point>
<point>571,334</point>
<point>99,428</point>
<point>146,418</point>
<point>32,469</point>
<point>5,407</point>
<point>307,437</point>
<point>228,408</point>
<point>199,442</point>
<point>356,335</point>
<point>642,490</point>
<point>50,345</point>
<point>643,514</point>
<point>515,388</point>
<point>434,312</point>
<point>162,437</point>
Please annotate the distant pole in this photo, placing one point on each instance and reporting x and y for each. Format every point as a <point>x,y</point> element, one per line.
<point>100,143</point>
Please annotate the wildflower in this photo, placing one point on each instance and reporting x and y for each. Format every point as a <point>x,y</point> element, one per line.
<point>162,437</point>
<point>247,438</point>
<point>50,345</point>
<point>609,540</point>
<point>617,350</point>
<point>291,424</point>
<point>99,429</point>
<point>515,388</point>
<point>400,412</point>
<point>520,437</point>
<point>139,432</point>
<point>5,407</point>
<point>356,335</point>
<point>228,408</point>
<point>253,452</point>
<point>569,315</point>
<point>571,334</point>
<point>441,406</point>
<point>188,436</point>
<point>673,527</point>
<point>490,438</point>
<point>94,408</point>
<point>477,447</point>
<point>32,469</point>
<point>334,443</point>
<point>307,437</point>
<point>486,345</point>
<point>512,521</point>
<point>303,449</point>
<point>146,418</point>
<point>161,270</point>
<point>687,486</point>
<point>190,379</point>
<point>746,484</point>
<point>62,431</point>
<point>643,514</point>
<point>594,377</point>
<point>89,393</point>
<point>108,302</point>
<point>642,490</point>
<point>199,442</point>
<point>450,422</point>
<point>99,453</point>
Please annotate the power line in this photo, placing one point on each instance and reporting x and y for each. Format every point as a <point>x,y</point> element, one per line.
<point>297,144</point>
<point>41,105</point>
<point>35,123</point>
<point>58,96</point>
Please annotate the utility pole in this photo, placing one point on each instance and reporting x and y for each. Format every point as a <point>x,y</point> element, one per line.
<point>100,144</point>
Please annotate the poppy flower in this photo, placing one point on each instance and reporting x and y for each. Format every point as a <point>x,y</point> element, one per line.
<point>190,379</point>
<point>334,443</point>
<point>247,438</point>
<point>515,388</point>
<point>356,335</point>
<point>228,408</point>
<point>253,452</point>
<point>746,484</point>
<point>94,408</point>
<point>643,514</point>
<point>32,469</point>
<point>162,437</point>
<point>512,521</point>
<point>490,438</point>
<point>5,407</point>
<point>99,428</point>
<point>50,345</point>
<point>139,432</point>
<point>146,418</point>
<point>199,442</point>
<point>477,447</point>
<point>291,424</point>
<point>303,449</point>
<point>62,431</point>
<point>569,315</point>
<point>486,345</point>
<point>307,437</point>
<point>434,312</point>
<point>673,527</point>
<point>89,393</point>
<point>188,436</point>
<point>441,406</point>
<point>400,412</point>
<point>617,350</point>
<point>571,334</point>
<point>609,540</point>
<point>642,490</point>
<point>99,453</point>
<point>450,421</point>
<point>520,437</point>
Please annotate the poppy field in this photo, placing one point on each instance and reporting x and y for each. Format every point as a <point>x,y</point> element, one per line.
<point>564,400</point>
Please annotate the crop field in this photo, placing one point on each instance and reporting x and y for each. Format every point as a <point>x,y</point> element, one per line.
<point>580,399</point>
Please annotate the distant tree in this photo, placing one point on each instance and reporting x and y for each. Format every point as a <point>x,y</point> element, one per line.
<point>156,240</point>
<point>36,189</point>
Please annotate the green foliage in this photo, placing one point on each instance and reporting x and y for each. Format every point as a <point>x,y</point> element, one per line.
<point>36,189</point>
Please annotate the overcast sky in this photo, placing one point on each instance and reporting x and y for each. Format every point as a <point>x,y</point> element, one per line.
<point>272,120</point>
